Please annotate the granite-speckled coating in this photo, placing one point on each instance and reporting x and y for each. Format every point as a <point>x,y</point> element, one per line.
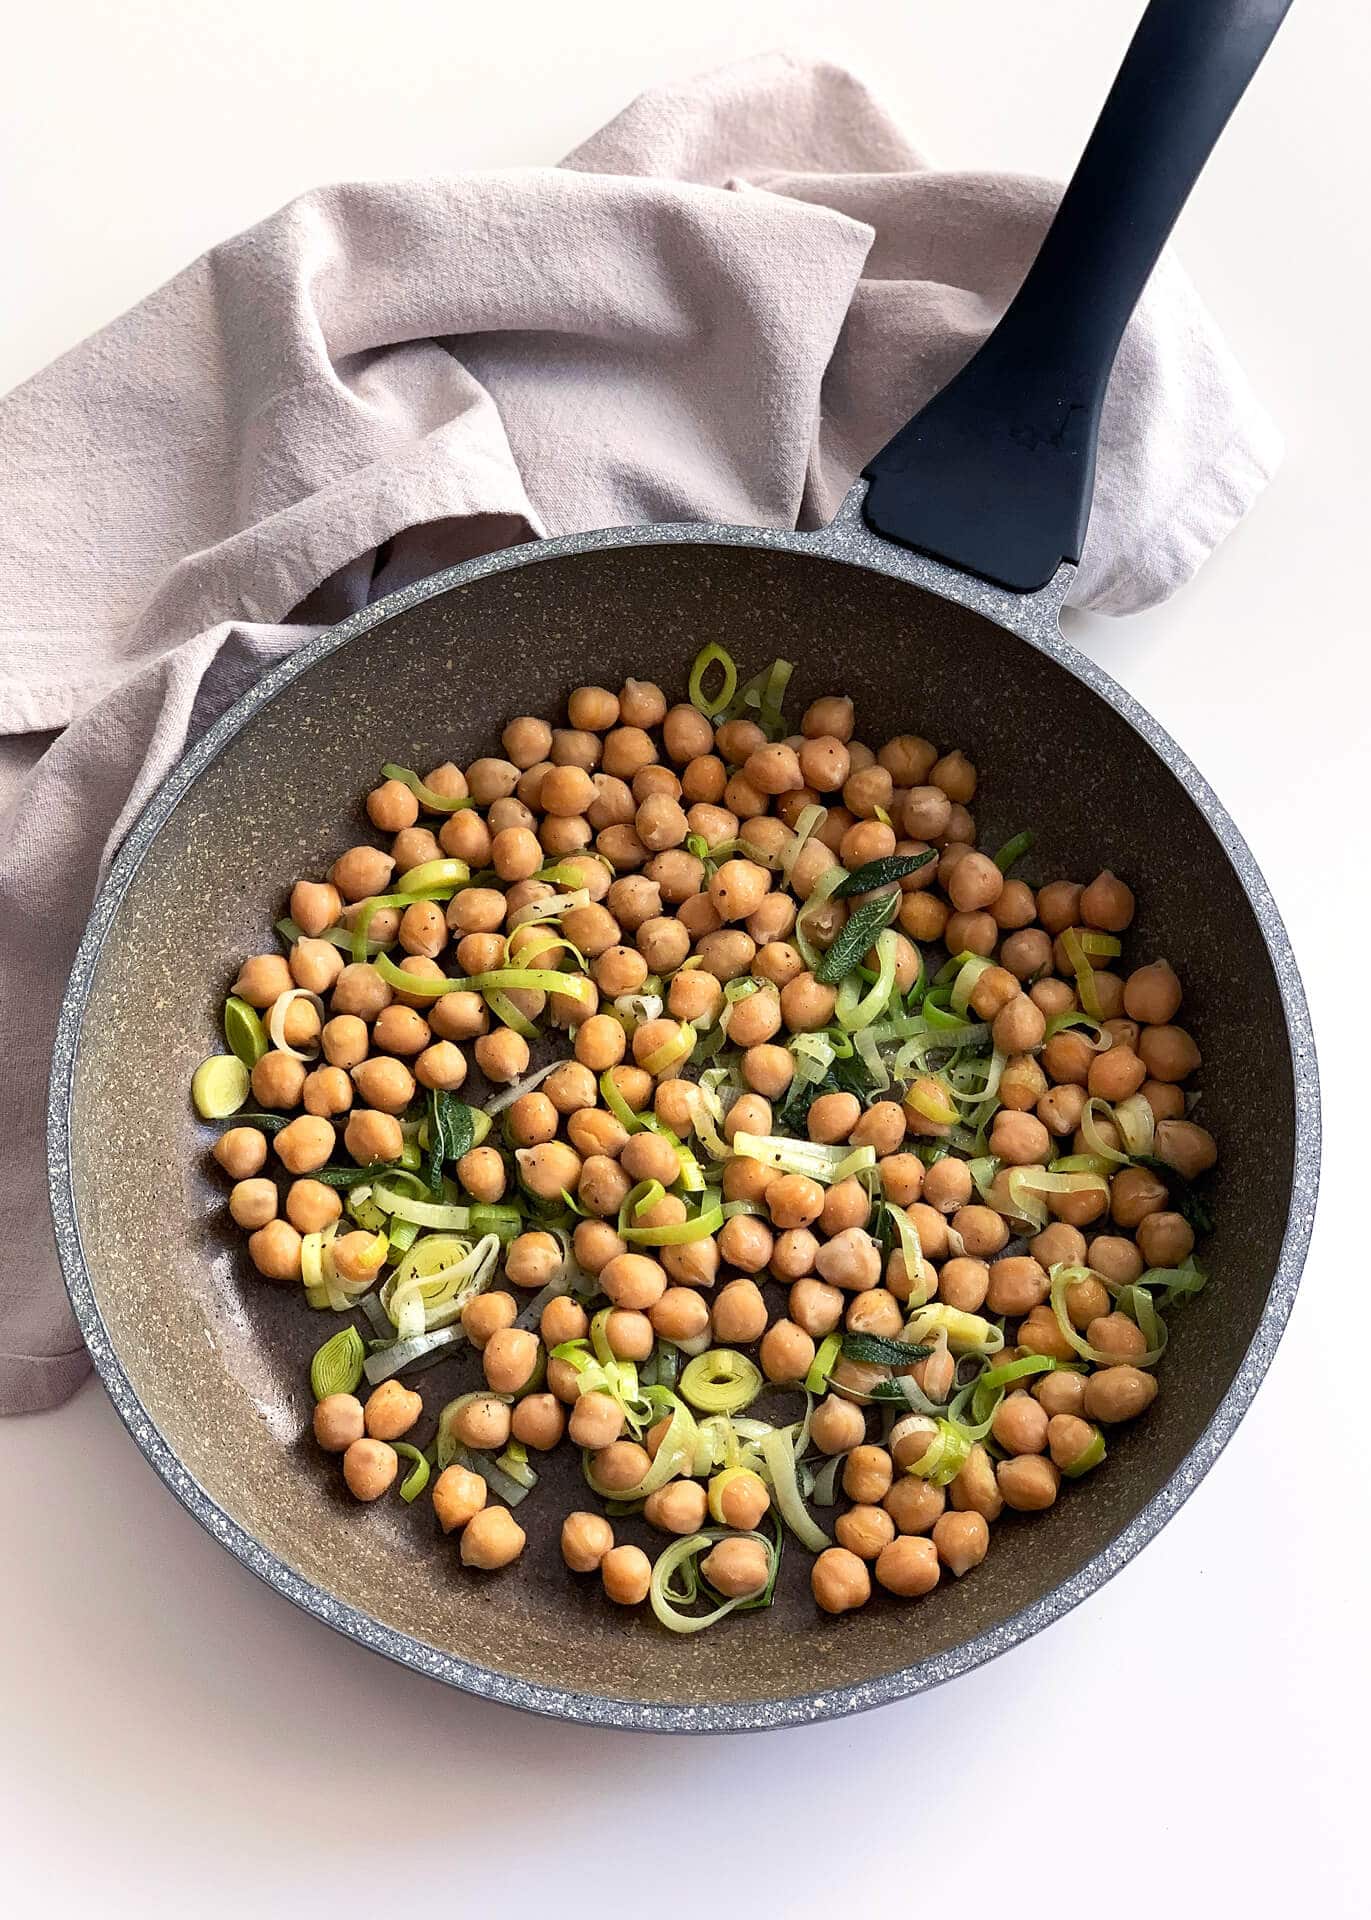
<point>206,1365</point>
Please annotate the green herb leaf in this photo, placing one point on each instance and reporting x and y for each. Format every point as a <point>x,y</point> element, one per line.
<point>857,937</point>
<point>337,1366</point>
<point>872,1351</point>
<point>264,1122</point>
<point>451,1131</point>
<point>880,873</point>
<point>352,1176</point>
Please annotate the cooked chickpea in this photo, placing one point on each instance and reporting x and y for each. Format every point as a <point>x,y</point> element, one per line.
<point>736,1568</point>
<point>839,1581</point>
<point>314,965</point>
<point>338,1421</point>
<point>306,1144</point>
<point>908,1566</point>
<point>253,1202</point>
<point>1028,1483</point>
<point>786,1353</point>
<point>391,1410</point>
<point>1152,994</point>
<point>586,1539</point>
<point>975,1489</point>
<point>1020,1139</point>
<point>241,1152</point>
<point>1165,1239</point>
<point>806,1004</point>
<point>1020,1424</point>
<point>596,1422</point>
<point>678,1507</point>
<point>482,1424</point>
<point>962,1541</point>
<point>492,1538</point>
<point>278,1081</point>
<point>626,1572</point>
<point>947,1185</point>
<point>370,1137</point>
<point>369,1468</point>
<point>738,888</point>
<point>1107,903</point>
<point>314,907</point>
<point>385,1085</point>
<point>1168,1053</point>
<point>1060,1393</point>
<point>739,1314</point>
<point>838,1425</point>
<point>913,1504</point>
<point>262,979</point>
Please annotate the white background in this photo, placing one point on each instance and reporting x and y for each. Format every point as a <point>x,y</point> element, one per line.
<point>175,1739</point>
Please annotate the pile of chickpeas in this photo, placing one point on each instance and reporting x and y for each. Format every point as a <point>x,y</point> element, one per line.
<point>630,801</point>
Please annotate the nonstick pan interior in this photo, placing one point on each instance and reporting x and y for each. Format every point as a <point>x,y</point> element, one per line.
<point>209,1365</point>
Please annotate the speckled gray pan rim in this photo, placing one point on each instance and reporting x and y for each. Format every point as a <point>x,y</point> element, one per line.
<point>1035,619</point>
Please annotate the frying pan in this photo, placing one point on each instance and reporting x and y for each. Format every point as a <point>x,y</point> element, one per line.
<point>933,600</point>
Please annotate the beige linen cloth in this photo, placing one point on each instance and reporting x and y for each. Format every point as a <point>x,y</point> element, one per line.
<point>716,309</point>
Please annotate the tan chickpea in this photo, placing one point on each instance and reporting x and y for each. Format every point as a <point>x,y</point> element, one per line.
<point>391,1410</point>
<point>773,769</point>
<point>677,875</point>
<point>486,1315</point>
<point>837,1426</point>
<point>502,1055</point>
<point>1118,1393</point>
<point>586,1539</point>
<point>1061,1107</point>
<point>385,1085</point>
<point>1107,903</point>
<point>1115,1334</point>
<point>626,751</point>
<point>241,1152</point>
<point>877,1312</point>
<point>703,780</point>
<point>526,740</point>
<point>962,1541</point>
<point>492,1538</point>
<point>626,1574</point>
<point>643,704</point>
<point>1186,1148</point>
<point>806,1004</point>
<point>361,872</point>
<point>458,1496</point>
<point>1134,1192</point>
<point>839,1581</point>
<point>538,1421</point>
<point>739,1314</point>
<point>482,1424</point>
<point>908,1566</point>
<point>252,1203</point>
<point>1028,1483</point>
<point>442,1066</point>
<point>793,1200</point>
<point>755,1019</point>
<point>847,1205</point>
<point>867,1474</point>
<point>964,1283</point>
<point>923,916</point>
<point>902,1177</point>
<point>851,1260</point>
<point>971,933</point>
<point>786,1353</point>
<point>680,1314</point>
<point>338,1421</point>
<point>913,1504</point>
<point>736,1568</point>
<point>619,969</point>
<point>314,965</point>
<point>278,1081</point>
<point>926,812</point>
<point>975,1489</point>
<point>1060,1393</point>
<point>1059,905</point>
<point>1152,994</point>
<point>370,1137</point>
<point>778,962</point>
<point>1020,1424</point>
<point>314,906</point>
<point>482,1172</point>
<point>678,1507</point>
<point>947,1185</point>
<point>369,1468</point>
<point>1068,1438</point>
<point>633,1280</point>
<point>306,1144</point>
<point>768,1070</point>
<point>311,1206</point>
<point>1168,1053</point>
<point>262,979</point>
<point>412,846</point>
<point>1020,1139</point>
<point>737,888</point>
<point>1165,1239</point>
<point>815,1307</point>
<point>746,1242</point>
<point>1015,909</point>
<point>1016,1286</point>
<point>1026,954</point>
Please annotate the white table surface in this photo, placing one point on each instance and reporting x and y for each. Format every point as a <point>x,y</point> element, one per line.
<point>176,1739</point>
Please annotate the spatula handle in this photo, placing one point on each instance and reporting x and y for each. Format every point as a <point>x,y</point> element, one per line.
<point>995,474</point>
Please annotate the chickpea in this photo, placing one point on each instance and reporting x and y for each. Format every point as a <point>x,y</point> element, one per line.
<point>704,779</point>
<point>619,969</point>
<point>338,1422</point>
<point>1152,994</point>
<point>370,1137</point>
<point>1166,1239</point>
<point>1059,905</point>
<point>815,1307</point>
<point>971,933</point>
<point>1068,1439</point>
<point>746,1242</point>
<point>278,1081</point>
<point>1028,1483</point>
<point>314,965</point>
<point>482,1424</point>
<point>633,1280</point>
<point>1020,1424</point>
<point>677,875</point>
<point>838,1425</point>
<point>1027,954</point>
<point>1107,903</point>
<point>412,846</point>
<point>839,1581</point>
<point>262,979</point>
<point>964,1283</point>
<point>736,1568</point>
<point>458,1496</point>
<point>1016,1286</point>
<point>391,1410</point>
<point>1020,1026</point>
<point>678,1507</point>
<point>778,962</point>
<point>680,1314</point>
<point>913,1504</point>
<point>1115,1074</point>
<point>793,1201</point>
<point>851,1260</point>
<point>806,1004</point>
<point>314,906</point>
<point>487,1314</point>
<point>1060,1393</point>
<point>1016,908</point>
<point>902,1178</point>
<point>1168,1053</point>
<point>947,1185</point>
<point>361,872</point>
<point>482,1172</point>
<point>1134,1192</point>
<point>241,1152</point>
<point>1188,1149</point>
<point>786,1353</point>
<point>877,1312</point>
<point>510,1358</point>
<point>975,1489</point>
<point>926,813</point>
<point>626,1572</point>
<point>755,1019</point>
<point>739,1314</point>
<point>369,1468</point>
<point>253,1202</point>
<point>586,1539</point>
<point>502,1055</point>
<point>311,1206</point>
<point>962,1541</point>
<point>1115,1334</point>
<point>306,1144</point>
<point>768,1070</point>
<point>1020,1139</point>
<point>846,1205</point>
<point>626,750</point>
<point>865,841</point>
<point>492,1538</point>
<point>1058,1245</point>
<point>1118,1393</point>
<point>642,704</point>
<point>908,1566</point>
<point>975,883</point>
<point>1060,1108</point>
<point>923,916</point>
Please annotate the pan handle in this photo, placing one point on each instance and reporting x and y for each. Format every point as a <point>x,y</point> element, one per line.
<point>995,474</point>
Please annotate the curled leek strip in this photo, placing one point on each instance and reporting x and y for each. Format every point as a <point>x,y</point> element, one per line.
<point>827,1357</point>
<point>779,1451</point>
<point>417,1478</point>
<point>825,1164</point>
<point>672,1052</point>
<point>966,1332</point>
<point>1093,1111</point>
<point>712,655</point>
<point>856,1012</point>
<point>430,801</point>
<point>677,1582</point>
<point>446,1445</point>
<point>676,1454</point>
<point>276,1022</point>
<point>721,1381</point>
